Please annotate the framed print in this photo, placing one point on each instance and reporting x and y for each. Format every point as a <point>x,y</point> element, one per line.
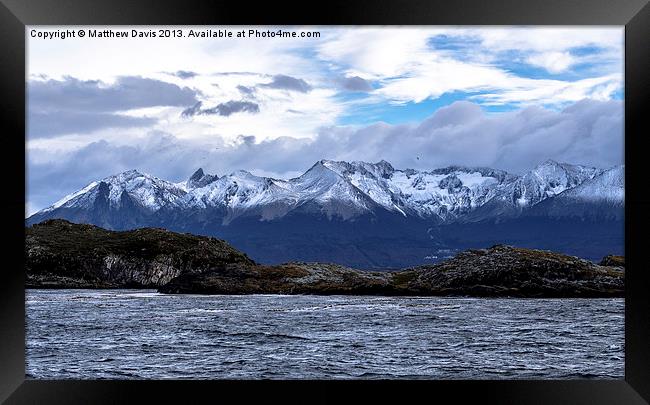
<point>363,203</point>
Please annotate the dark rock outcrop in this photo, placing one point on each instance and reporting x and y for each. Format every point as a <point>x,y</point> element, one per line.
<point>509,271</point>
<point>60,254</point>
<point>498,271</point>
<point>65,255</point>
<point>290,278</point>
<point>613,260</point>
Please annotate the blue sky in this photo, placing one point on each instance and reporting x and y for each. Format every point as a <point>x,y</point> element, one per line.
<point>230,101</point>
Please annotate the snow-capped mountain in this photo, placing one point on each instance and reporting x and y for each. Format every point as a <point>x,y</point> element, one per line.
<point>607,187</point>
<point>440,194</point>
<point>347,190</point>
<point>236,194</point>
<point>547,180</point>
<point>602,196</point>
<point>524,192</point>
<point>148,192</point>
<point>120,201</point>
<point>343,190</point>
<point>368,214</point>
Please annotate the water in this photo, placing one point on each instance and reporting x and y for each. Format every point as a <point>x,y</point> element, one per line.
<point>140,334</point>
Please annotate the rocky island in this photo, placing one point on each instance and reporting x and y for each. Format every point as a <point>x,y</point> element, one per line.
<point>61,254</point>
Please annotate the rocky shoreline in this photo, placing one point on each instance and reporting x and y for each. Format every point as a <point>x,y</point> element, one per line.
<point>60,254</point>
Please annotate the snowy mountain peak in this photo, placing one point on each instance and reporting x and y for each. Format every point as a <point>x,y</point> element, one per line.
<point>337,167</point>
<point>346,169</point>
<point>143,190</point>
<point>125,176</point>
<point>197,174</point>
<point>549,179</point>
<point>199,179</point>
<point>244,174</point>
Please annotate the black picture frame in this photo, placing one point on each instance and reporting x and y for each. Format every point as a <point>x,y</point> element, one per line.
<point>633,14</point>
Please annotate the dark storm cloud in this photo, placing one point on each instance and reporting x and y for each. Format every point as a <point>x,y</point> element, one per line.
<point>355,83</point>
<point>193,110</point>
<point>185,74</point>
<point>589,132</point>
<point>43,125</point>
<point>247,91</point>
<point>288,83</point>
<point>247,139</point>
<point>240,73</point>
<point>223,109</point>
<point>71,105</point>
<point>231,107</point>
<point>128,92</point>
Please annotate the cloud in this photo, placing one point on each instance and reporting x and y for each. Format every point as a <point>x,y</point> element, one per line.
<point>247,91</point>
<point>493,86</point>
<point>127,92</point>
<point>406,65</point>
<point>395,73</point>
<point>551,92</point>
<point>58,107</point>
<point>560,48</point>
<point>185,74</point>
<point>48,124</point>
<point>375,53</point>
<point>355,83</point>
<point>544,39</point>
<point>288,83</point>
<point>588,132</point>
<point>193,110</point>
<point>412,65</point>
<point>231,107</point>
<point>554,62</point>
<point>223,109</point>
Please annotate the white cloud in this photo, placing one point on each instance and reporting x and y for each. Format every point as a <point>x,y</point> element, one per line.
<point>401,61</point>
<point>409,70</point>
<point>376,53</point>
<point>545,39</point>
<point>552,92</point>
<point>435,76</point>
<point>554,62</point>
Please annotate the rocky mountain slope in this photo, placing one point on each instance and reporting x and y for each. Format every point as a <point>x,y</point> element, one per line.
<point>60,254</point>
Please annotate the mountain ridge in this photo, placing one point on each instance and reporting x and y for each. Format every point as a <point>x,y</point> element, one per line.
<point>345,189</point>
<point>368,215</point>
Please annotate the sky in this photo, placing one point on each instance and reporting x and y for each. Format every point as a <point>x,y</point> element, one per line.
<point>418,97</point>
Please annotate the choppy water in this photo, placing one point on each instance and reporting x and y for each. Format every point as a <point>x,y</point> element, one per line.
<point>142,334</point>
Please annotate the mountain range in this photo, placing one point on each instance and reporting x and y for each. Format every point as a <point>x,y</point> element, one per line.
<point>368,215</point>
